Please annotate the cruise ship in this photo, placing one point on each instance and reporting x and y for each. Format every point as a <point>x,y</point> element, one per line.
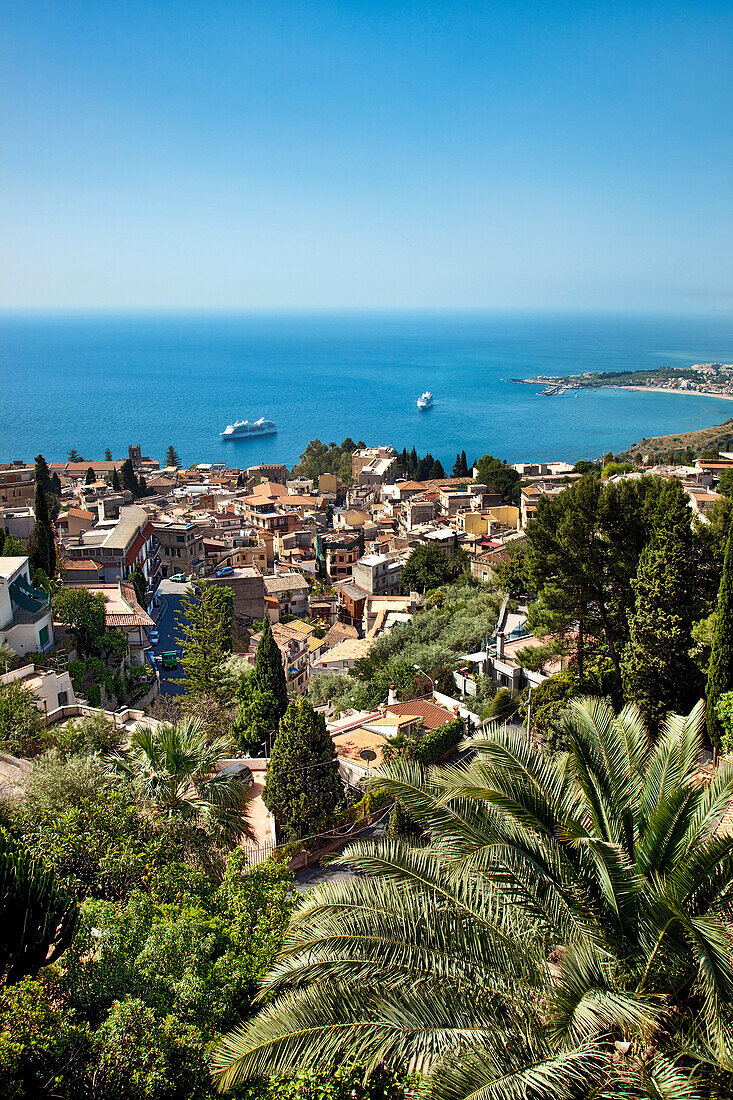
<point>242,428</point>
<point>425,400</point>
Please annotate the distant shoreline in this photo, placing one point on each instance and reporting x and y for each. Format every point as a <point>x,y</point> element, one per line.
<point>662,389</point>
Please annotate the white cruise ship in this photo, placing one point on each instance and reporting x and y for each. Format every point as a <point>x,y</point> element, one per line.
<point>243,428</point>
<point>425,400</point>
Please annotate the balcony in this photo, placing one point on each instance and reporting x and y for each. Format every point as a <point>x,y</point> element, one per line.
<point>29,604</point>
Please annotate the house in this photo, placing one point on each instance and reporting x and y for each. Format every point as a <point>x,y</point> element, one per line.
<point>123,612</point>
<point>291,592</point>
<point>248,588</point>
<point>26,616</point>
<point>51,689</point>
<point>292,641</point>
<point>379,574</point>
<point>181,545</point>
<point>17,485</point>
<point>268,471</point>
<point>75,521</point>
<point>373,465</point>
<point>530,498</point>
<point>342,657</point>
<point>337,553</point>
<point>119,545</point>
<point>18,521</point>
<point>352,599</point>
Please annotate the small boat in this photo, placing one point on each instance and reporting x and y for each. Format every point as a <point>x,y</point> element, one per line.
<point>425,400</point>
<point>242,428</point>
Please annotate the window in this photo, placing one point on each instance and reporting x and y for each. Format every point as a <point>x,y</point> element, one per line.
<point>63,698</point>
<point>43,636</point>
<point>180,538</point>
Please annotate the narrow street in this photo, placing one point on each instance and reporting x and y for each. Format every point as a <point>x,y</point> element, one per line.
<point>171,597</point>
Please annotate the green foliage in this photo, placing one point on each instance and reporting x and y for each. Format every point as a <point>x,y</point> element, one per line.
<point>426,567</point>
<point>177,771</point>
<point>90,477</point>
<point>43,1048</point>
<point>720,667</point>
<point>138,582</point>
<point>555,910</point>
<point>326,458</point>
<point>257,717</point>
<point>549,700</point>
<point>171,457</point>
<point>269,672</point>
<point>88,734</point>
<point>303,790</point>
<point>426,748</point>
<point>84,614</point>
<point>38,917</point>
<point>724,714</point>
<point>658,673</point>
<point>503,704</point>
<point>498,477</point>
<point>116,483</point>
<point>584,466</point>
<point>206,636</point>
<point>725,483</point>
<point>611,469</point>
<point>43,547</point>
<point>22,728</point>
<point>128,479</point>
<point>13,547</point>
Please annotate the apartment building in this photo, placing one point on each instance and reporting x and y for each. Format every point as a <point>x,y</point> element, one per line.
<point>17,485</point>
<point>26,617</point>
<point>379,574</point>
<point>117,545</point>
<point>337,553</point>
<point>181,546</point>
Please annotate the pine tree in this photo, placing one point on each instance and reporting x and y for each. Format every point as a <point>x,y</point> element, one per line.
<point>303,790</point>
<point>91,477</point>
<point>171,457</point>
<point>108,455</point>
<point>128,479</point>
<point>74,456</point>
<point>138,582</point>
<point>115,480</point>
<point>142,486</point>
<point>269,671</point>
<point>56,485</point>
<point>43,547</point>
<point>437,471</point>
<point>456,471</point>
<point>720,668</point>
<point>205,638</point>
<point>657,671</point>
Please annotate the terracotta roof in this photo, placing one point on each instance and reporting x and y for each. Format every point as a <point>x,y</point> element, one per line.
<point>80,563</point>
<point>81,513</point>
<point>135,547</point>
<point>350,743</point>
<point>433,715</point>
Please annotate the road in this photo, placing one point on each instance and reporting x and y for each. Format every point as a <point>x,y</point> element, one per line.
<point>171,596</point>
<point>324,872</point>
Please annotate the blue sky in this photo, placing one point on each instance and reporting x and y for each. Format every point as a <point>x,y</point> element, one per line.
<point>321,155</point>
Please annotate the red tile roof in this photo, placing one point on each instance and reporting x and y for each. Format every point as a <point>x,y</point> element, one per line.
<point>433,715</point>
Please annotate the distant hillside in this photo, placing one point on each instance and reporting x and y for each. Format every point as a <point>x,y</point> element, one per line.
<point>662,447</point>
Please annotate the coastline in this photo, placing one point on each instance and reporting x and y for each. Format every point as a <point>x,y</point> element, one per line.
<point>662,389</point>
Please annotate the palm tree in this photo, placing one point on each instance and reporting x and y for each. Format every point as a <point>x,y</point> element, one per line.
<point>563,929</point>
<point>177,768</point>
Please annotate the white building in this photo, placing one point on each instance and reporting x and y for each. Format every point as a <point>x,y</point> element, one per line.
<point>26,617</point>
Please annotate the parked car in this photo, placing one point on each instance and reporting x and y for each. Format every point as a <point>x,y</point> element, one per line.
<point>170,659</point>
<point>240,771</point>
<point>154,637</point>
<point>179,578</point>
<point>224,571</point>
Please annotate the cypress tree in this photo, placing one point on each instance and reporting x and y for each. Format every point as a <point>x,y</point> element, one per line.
<point>43,474</point>
<point>43,547</point>
<point>107,455</point>
<point>657,671</point>
<point>142,486</point>
<point>91,476</point>
<point>269,671</point>
<point>56,485</point>
<point>720,668</point>
<point>456,472</point>
<point>128,479</point>
<point>464,465</point>
<point>115,480</point>
<point>437,470</point>
<point>138,582</point>
<point>303,790</point>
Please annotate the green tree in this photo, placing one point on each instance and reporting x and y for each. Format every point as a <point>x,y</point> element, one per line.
<point>498,477</point>
<point>138,582</point>
<point>74,456</point>
<point>269,671</point>
<point>171,457</point>
<point>13,547</point>
<point>84,614</point>
<point>206,636</point>
<point>115,481</point>
<point>546,920</point>
<point>90,477</point>
<point>720,666</point>
<point>725,484</point>
<point>427,567</point>
<point>43,474</point>
<point>658,673</point>
<point>38,917</point>
<point>128,480</point>
<point>107,455</point>
<point>43,546</point>
<point>22,728</point>
<point>303,790</point>
<point>7,656</point>
<point>257,717</point>
<point>178,770</point>
<point>437,470</point>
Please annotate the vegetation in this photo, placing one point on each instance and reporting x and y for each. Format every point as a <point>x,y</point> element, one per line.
<point>207,626</point>
<point>416,468</point>
<point>428,567</point>
<point>327,458</point>
<point>720,668</point>
<point>22,728</point>
<point>426,748</point>
<point>545,939</point>
<point>661,447</point>
<point>303,789</point>
<point>498,477</point>
<point>269,675</point>
<point>138,582</point>
<point>13,547</point>
<point>43,547</point>
<point>171,457</point>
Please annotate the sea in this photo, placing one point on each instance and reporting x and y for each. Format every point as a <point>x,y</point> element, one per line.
<point>92,382</point>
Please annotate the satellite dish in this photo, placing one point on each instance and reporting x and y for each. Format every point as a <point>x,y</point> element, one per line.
<point>368,755</point>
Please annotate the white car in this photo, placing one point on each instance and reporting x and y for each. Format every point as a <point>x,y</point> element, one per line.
<point>154,637</point>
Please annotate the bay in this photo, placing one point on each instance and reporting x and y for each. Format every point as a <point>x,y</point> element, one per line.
<point>93,382</point>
